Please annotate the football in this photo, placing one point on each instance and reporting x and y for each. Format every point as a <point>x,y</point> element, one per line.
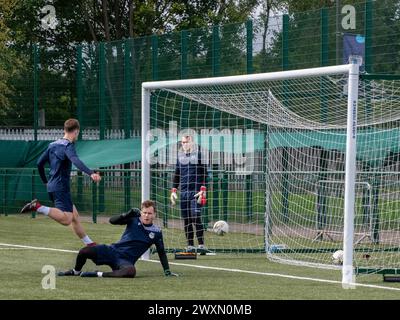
<point>221,227</point>
<point>337,257</point>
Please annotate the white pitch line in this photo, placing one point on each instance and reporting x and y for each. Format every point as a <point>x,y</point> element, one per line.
<point>36,248</point>
<point>223,269</point>
<point>279,275</point>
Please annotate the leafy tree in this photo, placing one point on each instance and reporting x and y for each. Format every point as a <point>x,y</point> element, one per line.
<point>93,21</point>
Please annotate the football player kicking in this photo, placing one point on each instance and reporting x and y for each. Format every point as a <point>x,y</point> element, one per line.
<point>61,155</point>
<point>140,234</point>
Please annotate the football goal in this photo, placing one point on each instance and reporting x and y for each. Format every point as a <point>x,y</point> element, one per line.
<point>300,164</point>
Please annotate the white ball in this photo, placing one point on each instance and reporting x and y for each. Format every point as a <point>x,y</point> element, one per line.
<point>337,257</point>
<point>221,227</point>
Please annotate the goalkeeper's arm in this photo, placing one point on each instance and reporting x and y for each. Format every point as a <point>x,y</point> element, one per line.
<point>163,258</point>
<point>177,177</point>
<point>124,218</point>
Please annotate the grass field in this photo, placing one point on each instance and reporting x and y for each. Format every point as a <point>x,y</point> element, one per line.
<point>223,276</point>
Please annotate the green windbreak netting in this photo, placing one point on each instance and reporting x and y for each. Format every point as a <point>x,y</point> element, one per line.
<point>373,146</point>
<point>20,154</point>
<point>22,185</point>
<point>106,153</point>
<point>381,142</point>
<point>95,154</point>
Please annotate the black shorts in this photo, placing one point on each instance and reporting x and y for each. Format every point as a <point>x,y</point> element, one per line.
<point>106,255</point>
<point>62,200</point>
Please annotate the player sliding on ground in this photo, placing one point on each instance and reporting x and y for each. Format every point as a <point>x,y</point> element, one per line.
<point>60,155</point>
<point>140,234</point>
<point>190,175</point>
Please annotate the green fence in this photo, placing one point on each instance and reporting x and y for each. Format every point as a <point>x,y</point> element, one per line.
<point>120,189</point>
<point>100,83</point>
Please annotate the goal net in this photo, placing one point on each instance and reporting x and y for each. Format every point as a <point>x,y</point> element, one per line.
<point>275,150</point>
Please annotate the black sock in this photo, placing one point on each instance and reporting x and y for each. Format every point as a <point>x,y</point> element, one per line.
<point>199,230</point>
<point>126,272</point>
<point>83,255</point>
<point>189,231</point>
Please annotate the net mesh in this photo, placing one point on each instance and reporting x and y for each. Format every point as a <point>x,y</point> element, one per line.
<point>276,158</point>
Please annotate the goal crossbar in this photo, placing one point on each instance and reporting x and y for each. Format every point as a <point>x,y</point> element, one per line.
<point>281,75</point>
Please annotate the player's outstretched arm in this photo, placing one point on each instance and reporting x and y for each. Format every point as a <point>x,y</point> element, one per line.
<point>73,157</point>
<point>44,158</point>
<point>163,258</point>
<point>124,218</point>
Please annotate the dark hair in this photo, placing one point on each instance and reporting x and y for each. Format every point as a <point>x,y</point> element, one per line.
<point>148,204</point>
<point>71,125</point>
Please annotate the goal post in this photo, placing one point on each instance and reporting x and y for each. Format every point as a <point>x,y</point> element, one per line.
<point>267,100</point>
<point>350,176</point>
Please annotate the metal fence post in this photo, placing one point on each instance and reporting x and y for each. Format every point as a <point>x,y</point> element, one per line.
<point>215,51</point>
<point>94,202</point>
<point>368,35</point>
<point>33,191</point>
<point>249,46</point>
<point>79,89</point>
<point>102,91</point>
<point>35,90</point>
<point>285,42</point>
<point>184,57</point>
<point>324,62</point>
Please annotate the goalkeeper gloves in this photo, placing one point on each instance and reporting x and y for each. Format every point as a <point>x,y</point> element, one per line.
<point>168,273</point>
<point>173,196</point>
<point>134,212</point>
<point>201,196</point>
<point>124,217</point>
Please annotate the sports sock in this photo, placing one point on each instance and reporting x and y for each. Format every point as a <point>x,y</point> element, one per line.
<point>86,240</point>
<point>43,209</point>
<point>76,272</point>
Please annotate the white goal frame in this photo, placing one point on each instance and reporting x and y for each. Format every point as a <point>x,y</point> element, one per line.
<point>352,69</point>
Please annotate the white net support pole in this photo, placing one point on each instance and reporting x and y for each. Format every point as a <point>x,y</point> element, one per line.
<point>145,152</point>
<point>348,277</point>
<point>145,144</point>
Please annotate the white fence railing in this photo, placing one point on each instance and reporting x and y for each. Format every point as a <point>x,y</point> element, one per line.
<point>27,134</point>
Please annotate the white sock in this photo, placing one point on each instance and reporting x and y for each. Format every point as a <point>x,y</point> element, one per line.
<point>87,240</point>
<point>43,209</point>
<point>99,274</point>
<point>76,272</point>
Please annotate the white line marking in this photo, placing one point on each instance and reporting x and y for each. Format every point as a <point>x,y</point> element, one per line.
<point>223,269</point>
<point>279,275</point>
<point>36,248</point>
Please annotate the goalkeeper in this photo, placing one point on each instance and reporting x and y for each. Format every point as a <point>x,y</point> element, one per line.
<point>190,175</point>
<point>140,234</point>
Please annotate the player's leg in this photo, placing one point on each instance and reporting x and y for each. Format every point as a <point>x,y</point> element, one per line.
<point>81,258</point>
<point>187,223</point>
<point>61,212</point>
<point>78,228</point>
<point>196,218</point>
<point>125,271</point>
<point>121,268</point>
<point>61,216</point>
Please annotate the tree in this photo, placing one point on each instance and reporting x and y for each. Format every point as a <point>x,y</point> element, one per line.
<point>9,62</point>
<point>94,21</point>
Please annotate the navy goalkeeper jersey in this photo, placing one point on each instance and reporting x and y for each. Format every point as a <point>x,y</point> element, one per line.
<point>137,238</point>
<point>60,155</point>
<point>190,172</point>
